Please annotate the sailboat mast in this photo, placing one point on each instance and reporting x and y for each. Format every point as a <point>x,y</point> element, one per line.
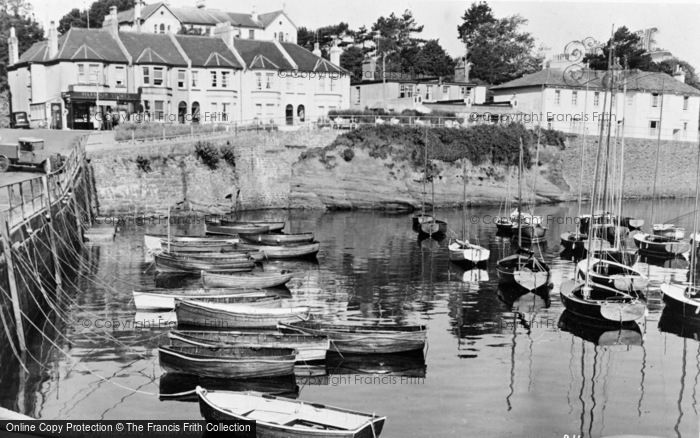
<point>583,146</point>
<point>464,199</point>
<point>520,193</point>
<point>425,168</point>
<point>618,236</point>
<point>693,246</point>
<point>658,156</point>
<point>587,286</point>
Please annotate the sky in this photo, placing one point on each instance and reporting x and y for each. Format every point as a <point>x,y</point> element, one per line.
<point>553,24</point>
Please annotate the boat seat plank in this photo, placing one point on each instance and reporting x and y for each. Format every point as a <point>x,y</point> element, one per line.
<point>271,416</point>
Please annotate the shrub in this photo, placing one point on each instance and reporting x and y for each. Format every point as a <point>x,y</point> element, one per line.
<point>229,156</point>
<point>207,153</point>
<point>143,164</point>
<point>348,154</point>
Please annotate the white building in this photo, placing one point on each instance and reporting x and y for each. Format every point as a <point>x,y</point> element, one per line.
<point>159,17</point>
<point>558,99</point>
<point>66,81</point>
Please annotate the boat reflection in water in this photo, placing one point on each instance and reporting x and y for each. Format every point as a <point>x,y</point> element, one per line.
<point>467,275</point>
<point>180,387</point>
<point>674,323</point>
<point>516,298</point>
<point>404,365</point>
<point>599,333</point>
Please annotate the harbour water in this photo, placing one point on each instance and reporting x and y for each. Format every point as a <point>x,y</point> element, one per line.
<point>496,365</point>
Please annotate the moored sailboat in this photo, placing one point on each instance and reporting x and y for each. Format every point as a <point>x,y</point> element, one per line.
<point>462,250</point>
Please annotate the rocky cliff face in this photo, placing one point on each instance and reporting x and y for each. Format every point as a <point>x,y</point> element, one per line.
<point>297,170</point>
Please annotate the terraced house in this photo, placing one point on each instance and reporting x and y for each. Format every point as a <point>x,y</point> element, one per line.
<point>74,81</point>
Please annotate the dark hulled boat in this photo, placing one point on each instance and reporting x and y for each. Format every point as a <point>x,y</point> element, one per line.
<point>601,303</point>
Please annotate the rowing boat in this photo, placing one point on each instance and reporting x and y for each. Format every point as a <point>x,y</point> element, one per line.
<point>284,252</point>
<point>229,362</point>
<point>258,280</point>
<point>217,227</point>
<point>309,348</point>
<point>235,316</point>
<point>256,256</point>
<point>277,417</point>
<point>271,226</point>
<point>177,263</point>
<point>278,238</point>
<point>165,300</point>
<point>152,242</point>
<point>347,338</point>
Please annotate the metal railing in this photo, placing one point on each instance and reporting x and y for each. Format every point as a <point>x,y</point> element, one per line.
<point>26,199</point>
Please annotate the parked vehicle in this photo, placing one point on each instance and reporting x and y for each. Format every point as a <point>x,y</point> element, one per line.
<point>28,151</point>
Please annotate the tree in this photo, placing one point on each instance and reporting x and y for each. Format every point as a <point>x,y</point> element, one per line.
<point>432,60</point>
<point>351,59</point>
<point>499,52</point>
<point>16,7</point>
<point>28,32</point>
<point>96,14</point>
<point>75,18</point>
<point>627,46</point>
<point>477,14</point>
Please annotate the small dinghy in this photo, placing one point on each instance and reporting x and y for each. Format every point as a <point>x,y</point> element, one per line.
<point>204,246</point>
<point>418,219</point>
<point>153,242</point>
<point>310,348</point>
<point>346,338</point>
<point>230,362</point>
<point>164,299</point>
<point>660,245</point>
<point>601,303</point>
<point>213,226</point>
<point>278,239</point>
<point>669,230</point>
<point>434,229</point>
<point>504,226</point>
<point>234,315</point>
<point>277,417</point>
<point>611,274</point>
<point>257,280</point>
<point>462,251</point>
<point>193,265</point>
<point>682,301</point>
<point>524,270</point>
<point>284,252</point>
<point>272,226</point>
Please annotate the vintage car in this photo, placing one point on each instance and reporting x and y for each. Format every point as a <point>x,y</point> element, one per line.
<point>27,151</point>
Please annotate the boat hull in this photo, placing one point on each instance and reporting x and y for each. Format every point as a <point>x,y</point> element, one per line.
<point>679,305</point>
<point>207,315</point>
<point>611,311</point>
<point>309,348</point>
<point>260,280</point>
<point>363,341</point>
<point>284,428</point>
<point>433,229</point>
<point>149,301</point>
<point>167,263</point>
<point>254,363</point>
<point>285,252</point>
<point>660,246</point>
<point>468,254</point>
<point>278,239</point>
<point>522,271</point>
<point>272,226</point>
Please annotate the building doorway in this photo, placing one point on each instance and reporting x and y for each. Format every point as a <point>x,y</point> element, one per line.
<point>56,116</point>
<point>195,112</point>
<point>301,113</point>
<point>289,114</point>
<point>181,112</point>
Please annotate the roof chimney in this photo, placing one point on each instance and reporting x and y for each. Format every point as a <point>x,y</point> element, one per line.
<point>679,74</point>
<point>226,32</point>
<point>201,4</point>
<point>138,8</point>
<point>317,49</point>
<point>254,14</point>
<point>112,22</point>
<point>13,44</point>
<point>336,51</point>
<point>53,40</point>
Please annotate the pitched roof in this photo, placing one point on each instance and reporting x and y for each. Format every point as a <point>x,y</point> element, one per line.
<point>36,53</point>
<point>207,51</point>
<point>202,16</point>
<point>637,80</point>
<point>265,54</point>
<point>307,61</point>
<point>89,44</point>
<point>151,48</point>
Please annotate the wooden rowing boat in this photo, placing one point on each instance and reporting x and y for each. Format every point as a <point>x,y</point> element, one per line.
<point>256,256</point>
<point>462,251</point>
<point>153,242</point>
<point>181,387</point>
<point>213,246</point>
<point>310,348</point>
<point>229,362</point>
<point>177,263</point>
<point>278,239</point>
<point>216,227</point>
<point>258,280</point>
<point>347,338</point>
<point>277,417</point>
<point>285,252</point>
<point>235,316</point>
<point>271,226</point>
<point>165,300</point>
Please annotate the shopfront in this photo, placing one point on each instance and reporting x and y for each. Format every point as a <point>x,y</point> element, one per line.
<point>98,111</point>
